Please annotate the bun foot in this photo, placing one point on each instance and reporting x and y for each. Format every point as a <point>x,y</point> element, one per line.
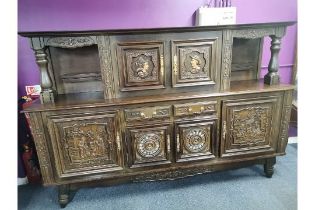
<point>63,195</point>
<point>269,167</point>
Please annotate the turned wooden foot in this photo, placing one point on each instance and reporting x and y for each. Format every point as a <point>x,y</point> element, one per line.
<point>63,195</point>
<point>268,167</point>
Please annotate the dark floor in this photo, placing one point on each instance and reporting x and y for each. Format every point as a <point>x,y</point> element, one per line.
<point>241,189</point>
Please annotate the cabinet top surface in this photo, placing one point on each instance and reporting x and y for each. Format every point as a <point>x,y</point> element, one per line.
<point>152,30</point>
<point>93,100</point>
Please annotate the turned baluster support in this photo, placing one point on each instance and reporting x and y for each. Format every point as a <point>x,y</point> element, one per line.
<point>47,93</point>
<point>272,77</point>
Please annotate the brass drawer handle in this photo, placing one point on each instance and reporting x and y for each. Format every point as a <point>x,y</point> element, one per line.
<point>177,143</point>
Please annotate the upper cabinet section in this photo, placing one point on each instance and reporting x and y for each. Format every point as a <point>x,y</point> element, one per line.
<point>154,64</point>
<point>148,62</point>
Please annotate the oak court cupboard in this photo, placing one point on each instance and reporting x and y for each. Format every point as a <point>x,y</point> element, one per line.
<point>156,104</point>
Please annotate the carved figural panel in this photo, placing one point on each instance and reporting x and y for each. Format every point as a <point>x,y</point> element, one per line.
<point>194,62</point>
<point>150,146</point>
<point>141,65</point>
<point>247,126</point>
<point>195,140</point>
<point>84,142</point>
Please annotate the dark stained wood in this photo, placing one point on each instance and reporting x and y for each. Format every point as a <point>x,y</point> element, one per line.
<point>151,30</point>
<point>160,104</point>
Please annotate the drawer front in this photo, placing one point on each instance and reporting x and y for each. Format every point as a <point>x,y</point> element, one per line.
<point>149,145</point>
<point>190,109</point>
<point>249,126</point>
<point>148,113</point>
<point>195,140</point>
<point>85,144</point>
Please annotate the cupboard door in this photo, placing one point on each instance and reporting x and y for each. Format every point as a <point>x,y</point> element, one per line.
<point>195,140</point>
<point>194,62</point>
<point>149,145</point>
<point>85,143</point>
<point>248,126</point>
<point>141,65</point>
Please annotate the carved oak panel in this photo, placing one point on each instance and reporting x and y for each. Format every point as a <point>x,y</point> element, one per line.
<point>195,140</point>
<point>141,65</point>
<point>194,62</point>
<point>149,145</point>
<point>85,142</point>
<point>247,126</point>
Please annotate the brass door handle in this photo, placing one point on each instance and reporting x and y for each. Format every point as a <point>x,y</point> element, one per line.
<point>224,130</point>
<point>177,143</point>
<point>162,64</point>
<point>175,66</point>
<point>118,141</point>
<point>168,143</point>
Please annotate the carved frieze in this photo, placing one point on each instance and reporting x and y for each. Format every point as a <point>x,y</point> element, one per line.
<point>253,33</point>
<point>70,42</point>
<point>172,175</point>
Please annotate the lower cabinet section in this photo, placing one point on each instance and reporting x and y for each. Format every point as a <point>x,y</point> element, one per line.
<point>149,145</point>
<point>195,140</point>
<point>85,143</point>
<point>249,126</point>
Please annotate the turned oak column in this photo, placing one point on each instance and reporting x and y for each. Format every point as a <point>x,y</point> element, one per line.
<point>272,77</point>
<point>47,93</point>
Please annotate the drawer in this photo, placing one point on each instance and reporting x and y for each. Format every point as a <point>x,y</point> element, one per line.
<point>199,108</point>
<point>147,113</point>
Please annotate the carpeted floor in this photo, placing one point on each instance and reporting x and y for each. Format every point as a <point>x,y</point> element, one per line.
<point>243,189</point>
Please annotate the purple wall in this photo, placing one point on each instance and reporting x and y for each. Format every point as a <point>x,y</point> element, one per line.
<point>40,15</point>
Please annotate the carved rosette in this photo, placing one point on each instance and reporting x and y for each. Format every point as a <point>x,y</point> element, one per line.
<point>142,65</point>
<point>70,42</point>
<point>149,144</point>
<point>195,140</point>
<point>250,125</point>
